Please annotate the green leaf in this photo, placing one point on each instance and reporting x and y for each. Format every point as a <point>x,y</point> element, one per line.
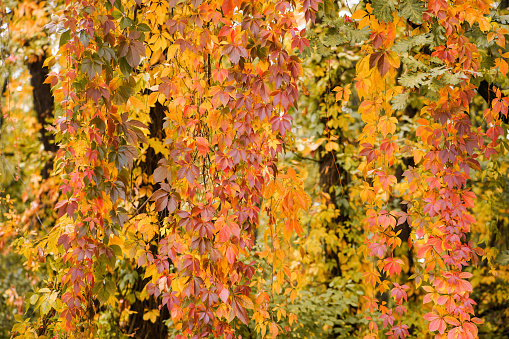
<point>118,191</point>
<point>64,38</point>
<point>503,258</point>
<point>477,37</point>
<point>383,9</point>
<point>116,15</point>
<point>329,7</point>
<point>125,22</point>
<point>106,53</point>
<point>118,4</point>
<point>437,71</point>
<point>117,250</point>
<point>103,295</point>
<point>411,80</point>
<point>504,19</point>
<point>413,63</point>
<point>412,10</point>
<point>355,36</point>
<point>110,287</point>
<point>405,45</point>
<point>400,101</point>
<point>90,67</point>
<point>437,33</point>
<point>453,79</point>
<point>143,27</point>
<point>84,38</point>
<point>125,68</point>
<point>334,40</point>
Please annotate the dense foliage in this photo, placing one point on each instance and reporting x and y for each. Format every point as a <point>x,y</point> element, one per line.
<point>240,168</point>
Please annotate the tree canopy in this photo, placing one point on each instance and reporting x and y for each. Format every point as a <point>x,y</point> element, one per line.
<point>254,169</point>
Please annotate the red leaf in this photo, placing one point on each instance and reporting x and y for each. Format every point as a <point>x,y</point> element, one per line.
<point>224,295</point>
<point>383,65</point>
<point>451,320</point>
<point>393,265</point>
<point>373,59</point>
<point>172,204</point>
<point>225,30</point>
<point>203,145</point>
<point>160,174</point>
<point>227,7</point>
<point>230,255</point>
<point>240,312</point>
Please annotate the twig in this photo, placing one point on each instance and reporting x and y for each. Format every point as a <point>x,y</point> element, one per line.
<point>139,208</point>
<point>305,158</point>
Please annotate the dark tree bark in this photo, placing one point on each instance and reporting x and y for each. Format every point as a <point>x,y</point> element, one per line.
<point>156,131</point>
<point>44,107</point>
<point>405,228</point>
<point>145,329</point>
<point>332,177</point>
<point>486,91</point>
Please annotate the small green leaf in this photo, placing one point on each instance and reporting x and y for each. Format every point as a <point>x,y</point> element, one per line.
<point>411,80</point>
<point>64,38</point>
<point>143,27</point>
<point>125,22</point>
<point>383,9</point>
<point>400,101</point>
<point>116,14</point>
<point>503,258</point>
<point>412,10</point>
<point>355,36</point>
<point>405,45</point>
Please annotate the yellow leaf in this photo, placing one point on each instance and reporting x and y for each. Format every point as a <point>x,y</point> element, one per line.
<point>136,102</point>
<point>151,315</point>
<point>331,146</point>
<point>179,284</point>
<point>172,50</point>
<point>154,58</point>
<point>292,174</point>
<point>387,125</point>
<point>484,23</point>
<point>151,272</point>
<point>359,14</point>
<point>280,188</point>
<point>246,302</point>
<point>293,295</point>
<point>263,330</point>
<point>262,66</point>
<point>49,61</point>
<point>152,98</point>
<point>269,190</point>
<point>393,59</point>
<point>147,228</point>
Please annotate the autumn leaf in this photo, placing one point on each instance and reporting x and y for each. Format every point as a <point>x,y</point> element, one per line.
<point>393,265</point>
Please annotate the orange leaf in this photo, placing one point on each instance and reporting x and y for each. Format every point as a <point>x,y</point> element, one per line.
<point>502,65</point>
<point>359,14</point>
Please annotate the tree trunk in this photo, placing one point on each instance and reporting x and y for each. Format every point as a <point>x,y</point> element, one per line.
<point>44,107</point>
<point>145,329</point>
